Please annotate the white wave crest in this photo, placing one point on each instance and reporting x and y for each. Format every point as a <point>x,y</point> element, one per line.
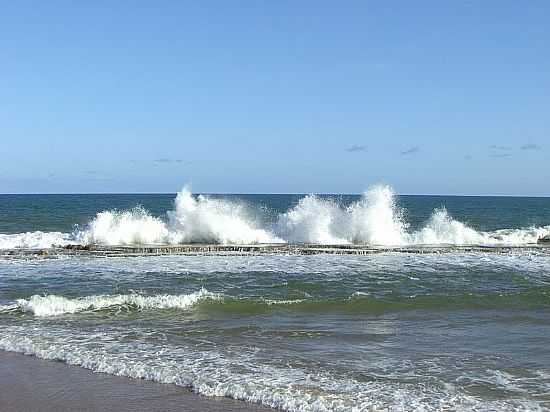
<point>314,220</point>
<point>213,221</point>
<point>34,240</point>
<point>200,220</point>
<point>441,228</point>
<point>375,219</point>
<point>54,305</point>
<point>135,226</point>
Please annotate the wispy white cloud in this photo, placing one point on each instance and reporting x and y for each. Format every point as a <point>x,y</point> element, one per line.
<point>412,150</point>
<point>168,160</point>
<point>500,148</point>
<point>531,146</point>
<point>356,148</point>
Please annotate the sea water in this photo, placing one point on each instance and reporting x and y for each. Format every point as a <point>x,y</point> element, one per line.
<point>390,331</point>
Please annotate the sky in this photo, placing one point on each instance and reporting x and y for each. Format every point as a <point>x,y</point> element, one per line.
<point>430,97</point>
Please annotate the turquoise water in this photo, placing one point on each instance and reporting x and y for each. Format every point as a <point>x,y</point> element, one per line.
<point>391,331</point>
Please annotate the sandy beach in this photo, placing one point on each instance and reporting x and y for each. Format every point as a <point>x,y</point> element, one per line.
<point>31,384</point>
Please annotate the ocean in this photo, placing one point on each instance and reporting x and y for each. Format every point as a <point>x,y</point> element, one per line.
<point>448,329</point>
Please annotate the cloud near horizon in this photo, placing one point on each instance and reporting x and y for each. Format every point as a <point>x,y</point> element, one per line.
<point>497,147</point>
<point>500,155</point>
<point>356,148</point>
<point>531,146</point>
<point>167,160</point>
<point>414,149</point>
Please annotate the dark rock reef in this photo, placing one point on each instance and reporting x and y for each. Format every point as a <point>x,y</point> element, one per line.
<point>77,247</point>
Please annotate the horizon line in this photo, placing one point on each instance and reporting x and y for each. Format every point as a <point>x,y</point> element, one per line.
<point>264,194</point>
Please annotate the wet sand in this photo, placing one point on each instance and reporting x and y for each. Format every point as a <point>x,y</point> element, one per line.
<point>31,384</point>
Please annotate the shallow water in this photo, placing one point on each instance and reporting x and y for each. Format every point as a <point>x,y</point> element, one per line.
<point>297,332</point>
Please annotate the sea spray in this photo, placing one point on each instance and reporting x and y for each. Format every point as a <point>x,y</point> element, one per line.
<point>314,220</point>
<point>135,226</point>
<point>34,240</point>
<point>442,228</point>
<point>374,219</point>
<point>194,220</point>
<point>207,220</point>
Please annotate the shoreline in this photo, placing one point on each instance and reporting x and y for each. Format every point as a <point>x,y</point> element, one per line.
<point>28,383</point>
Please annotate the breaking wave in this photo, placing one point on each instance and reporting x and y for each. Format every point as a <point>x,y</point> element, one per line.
<point>214,220</point>
<point>54,305</point>
<point>194,220</point>
<point>375,219</point>
<point>443,229</point>
<point>235,374</point>
<point>135,226</point>
<point>216,304</point>
<point>35,240</point>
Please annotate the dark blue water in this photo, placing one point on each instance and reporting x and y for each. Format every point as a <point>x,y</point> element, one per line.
<point>26,213</point>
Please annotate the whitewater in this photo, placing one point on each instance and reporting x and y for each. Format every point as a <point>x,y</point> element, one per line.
<point>53,305</point>
<point>299,332</point>
<point>374,219</point>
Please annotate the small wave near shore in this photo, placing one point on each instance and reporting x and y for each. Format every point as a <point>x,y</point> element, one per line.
<point>54,305</point>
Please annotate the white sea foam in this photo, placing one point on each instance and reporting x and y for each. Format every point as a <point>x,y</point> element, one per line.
<point>208,220</point>
<point>272,302</point>
<point>34,240</point>
<point>375,219</point>
<point>237,374</point>
<point>135,226</point>
<point>194,220</point>
<point>443,229</point>
<point>54,305</point>
<point>314,220</point>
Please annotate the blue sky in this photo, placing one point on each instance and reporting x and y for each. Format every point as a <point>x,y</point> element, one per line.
<point>275,96</point>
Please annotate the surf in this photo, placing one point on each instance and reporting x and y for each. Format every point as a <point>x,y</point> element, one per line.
<point>376,219</point>
<point>55,305</point>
